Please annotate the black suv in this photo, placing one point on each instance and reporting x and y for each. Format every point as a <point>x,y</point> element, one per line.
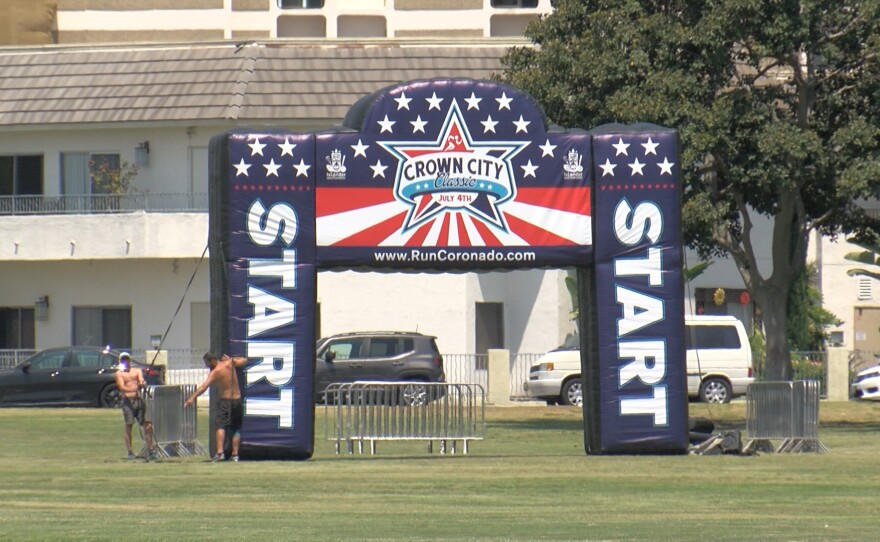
<point>390,356</point>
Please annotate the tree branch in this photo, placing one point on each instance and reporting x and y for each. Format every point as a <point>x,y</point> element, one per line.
<point>828,38</point>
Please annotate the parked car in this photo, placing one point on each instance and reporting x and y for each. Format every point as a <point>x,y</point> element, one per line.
<point>866,384</point>
<point>69,376</point>
<point>719,364</point>
<point>387,356</point>
<point>556,378</point>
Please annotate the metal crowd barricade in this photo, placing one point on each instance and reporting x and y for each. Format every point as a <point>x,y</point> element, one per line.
<point>786,411</point>
<point>175,426</point>
<point>362,412</point>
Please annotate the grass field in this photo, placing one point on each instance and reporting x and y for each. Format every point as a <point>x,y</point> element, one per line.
<point>63,477</point>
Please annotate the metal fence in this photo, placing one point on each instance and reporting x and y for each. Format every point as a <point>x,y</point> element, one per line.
<point>473,368</point>
<point>467,368</point>
<point>368,412</point>
<point>11,358</point>
<point>175,426</point>
<point>519,374</point>
<point>181,377</point>
<point>185,366</point>
<point>805,365</point>
<point>786,411</point>
<point>103,203</point>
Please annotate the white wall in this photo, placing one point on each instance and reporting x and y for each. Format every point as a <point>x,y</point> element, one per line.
<point>249,21</point>
<point>840,291</point>
<point>152,288</point>
<point>124,236</point>
<point>535,305</point>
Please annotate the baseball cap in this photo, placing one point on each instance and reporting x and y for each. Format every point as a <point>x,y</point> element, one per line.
<point>124,355</point>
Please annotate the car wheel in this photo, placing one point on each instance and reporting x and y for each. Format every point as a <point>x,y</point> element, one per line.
<point>572,392</point>
<point>110,397</point>
<point>414,394</point>
<point>715,390</point>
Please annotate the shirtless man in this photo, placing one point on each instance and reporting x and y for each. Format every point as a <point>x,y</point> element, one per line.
<point>130,381</point>
<point>230,410</point>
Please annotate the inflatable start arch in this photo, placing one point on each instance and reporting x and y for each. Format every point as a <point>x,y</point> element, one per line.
<point>441,176</point>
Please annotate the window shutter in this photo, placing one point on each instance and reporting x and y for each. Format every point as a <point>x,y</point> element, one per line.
<point>866,289</point>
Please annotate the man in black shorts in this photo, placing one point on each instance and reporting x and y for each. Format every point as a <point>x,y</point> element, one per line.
<point>130,381</point>
<point>230,410</point>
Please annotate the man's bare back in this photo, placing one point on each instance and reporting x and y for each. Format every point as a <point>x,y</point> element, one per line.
<point>222,375</point>
<point>225,379</point>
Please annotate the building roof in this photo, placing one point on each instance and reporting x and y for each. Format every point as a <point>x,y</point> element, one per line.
<point>253,81</point>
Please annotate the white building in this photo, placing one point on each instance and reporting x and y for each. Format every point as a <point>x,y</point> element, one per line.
<point>90,268</point>
<point>150,82</point>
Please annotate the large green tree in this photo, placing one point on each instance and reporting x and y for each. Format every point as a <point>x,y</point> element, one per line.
<point>777,106</point>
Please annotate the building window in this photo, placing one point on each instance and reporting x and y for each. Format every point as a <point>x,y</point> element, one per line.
<point>300,4</point>
<point>83,173</point>
<point>514,3</point>
<point>488,330</point>
<point>17,328</point>
<point>102,326</point>
<point>21,175</point>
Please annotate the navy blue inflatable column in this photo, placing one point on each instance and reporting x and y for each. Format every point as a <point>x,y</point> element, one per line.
<point>638,294</point>
<point>263,283</point>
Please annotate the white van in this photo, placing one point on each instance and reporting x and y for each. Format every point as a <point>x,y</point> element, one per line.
<point>719,364</point>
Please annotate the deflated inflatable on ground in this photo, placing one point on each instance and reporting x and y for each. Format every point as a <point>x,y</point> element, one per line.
<point>452,175</point>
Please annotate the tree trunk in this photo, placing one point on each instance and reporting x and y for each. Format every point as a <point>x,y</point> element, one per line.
<point>777,366</point>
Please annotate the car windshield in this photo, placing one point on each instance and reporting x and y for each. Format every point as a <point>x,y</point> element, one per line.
<point>572,342</point>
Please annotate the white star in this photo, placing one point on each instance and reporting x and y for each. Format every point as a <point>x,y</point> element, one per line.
<point>607,167</point>
<point>650,147</point>
<point>489,124</point>
<point>665,166</point>
<point>418,124</point>
<point>360,149</point>
<point>521,124</point>
<point>620,147</point>
<point>301,169</point>
<point>272,167</point>
<point>473,102</point>
<point>378,169</point>
<point>386,125</point>
<point>504,102</point>
<point>256,147</point>
<point>636,167</point>
<point>241,168</point>
<point>433,103</point>
<point>529,170</point>
<point>547,149</point>
<point>403,101</point>
<point>287,147</point>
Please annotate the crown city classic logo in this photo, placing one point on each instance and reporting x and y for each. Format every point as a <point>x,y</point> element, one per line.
<point>454,172</point>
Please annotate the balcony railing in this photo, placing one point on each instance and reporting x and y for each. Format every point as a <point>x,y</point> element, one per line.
<point>103,203</point>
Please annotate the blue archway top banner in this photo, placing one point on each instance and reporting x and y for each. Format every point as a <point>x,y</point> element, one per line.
<point>452,175</point>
